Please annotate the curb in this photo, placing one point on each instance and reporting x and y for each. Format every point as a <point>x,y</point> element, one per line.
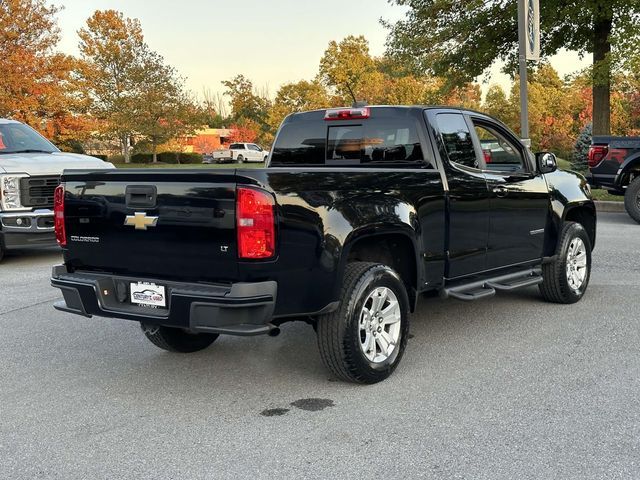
<point>616,207</point>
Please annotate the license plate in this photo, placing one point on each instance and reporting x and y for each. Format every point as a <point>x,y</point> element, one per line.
<point>148,295</point>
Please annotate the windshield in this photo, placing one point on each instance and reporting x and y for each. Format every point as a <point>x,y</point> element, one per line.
<point>20,138</point>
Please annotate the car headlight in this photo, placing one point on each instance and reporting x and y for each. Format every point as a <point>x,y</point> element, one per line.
<point>10,192</point>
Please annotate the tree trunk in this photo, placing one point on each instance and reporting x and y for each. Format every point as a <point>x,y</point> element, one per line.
<point>153,150</point>
<point>124,140</point>
<point>602,74</point>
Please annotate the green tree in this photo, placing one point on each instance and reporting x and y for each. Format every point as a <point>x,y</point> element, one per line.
<point>112,50</point>
<point>245,102</point>
<point>497,104</point>
<point>460,39</point>
<point>580,155</point>
<point>296,97</point>
<point>163,108</point>
<point>348,67</point>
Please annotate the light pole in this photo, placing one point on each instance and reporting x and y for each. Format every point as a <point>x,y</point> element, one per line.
<point>528,49</point>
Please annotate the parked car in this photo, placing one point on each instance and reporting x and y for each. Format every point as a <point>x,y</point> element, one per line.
<point>359,212</point>
<point>240,152</point>
<point>614,165</point>
<point>30,168</point>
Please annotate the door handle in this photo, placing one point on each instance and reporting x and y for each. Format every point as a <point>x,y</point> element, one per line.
<point>500,191</point>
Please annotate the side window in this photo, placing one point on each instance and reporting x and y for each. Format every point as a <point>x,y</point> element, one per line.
<point>253,147</point>
<point>457,139</point>
<point>237,146</point>
<point>499,153</point>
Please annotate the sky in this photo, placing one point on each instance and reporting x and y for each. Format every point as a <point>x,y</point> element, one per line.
<point>271,42</point>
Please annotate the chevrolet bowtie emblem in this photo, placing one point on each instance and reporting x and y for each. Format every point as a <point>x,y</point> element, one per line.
<point>140,221</point>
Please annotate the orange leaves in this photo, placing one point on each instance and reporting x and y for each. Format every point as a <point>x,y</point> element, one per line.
<point>247,132</point>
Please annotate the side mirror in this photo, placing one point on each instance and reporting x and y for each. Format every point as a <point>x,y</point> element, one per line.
<point>547,162</point>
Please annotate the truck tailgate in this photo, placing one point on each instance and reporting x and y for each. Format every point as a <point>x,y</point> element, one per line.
<point>161,224</point>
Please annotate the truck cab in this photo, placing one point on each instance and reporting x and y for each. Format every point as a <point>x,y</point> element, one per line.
<point>247,152</point>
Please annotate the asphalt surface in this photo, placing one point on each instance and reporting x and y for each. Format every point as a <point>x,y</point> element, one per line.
<point>504,388</point>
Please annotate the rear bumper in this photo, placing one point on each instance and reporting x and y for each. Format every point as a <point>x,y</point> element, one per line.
<point>235,309</point>
<point>27,229</point>
<point>604,181</point>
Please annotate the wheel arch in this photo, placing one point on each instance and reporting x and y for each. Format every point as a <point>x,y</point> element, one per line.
<point>585,215</point>
<point>396,248</point>
<point>629,169</point>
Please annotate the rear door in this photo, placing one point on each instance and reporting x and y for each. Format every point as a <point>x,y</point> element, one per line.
<point>519,196</point>
<point>153,223</point>
<point>469,202</point>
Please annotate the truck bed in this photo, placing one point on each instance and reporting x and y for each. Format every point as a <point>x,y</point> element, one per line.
<point>194,238</point>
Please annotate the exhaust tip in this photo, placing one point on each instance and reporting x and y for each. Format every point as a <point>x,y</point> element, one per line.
<point>274,332</point>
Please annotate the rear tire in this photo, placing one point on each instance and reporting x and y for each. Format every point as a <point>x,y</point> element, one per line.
<point>364,339</point>
<point>177,340</point>
<point>240,159</point>
<point>632,199</point>
<point>566,278</point>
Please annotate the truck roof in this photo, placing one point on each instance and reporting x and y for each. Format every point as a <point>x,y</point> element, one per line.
<point>311,113</point>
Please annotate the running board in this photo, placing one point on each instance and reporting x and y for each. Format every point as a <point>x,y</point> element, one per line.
<point>470,295</point>
<point>486,288</point>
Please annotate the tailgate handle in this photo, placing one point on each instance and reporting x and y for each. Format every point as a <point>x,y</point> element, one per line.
<point>141,196</point>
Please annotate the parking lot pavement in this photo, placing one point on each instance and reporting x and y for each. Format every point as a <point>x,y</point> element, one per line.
<point>509,387</point>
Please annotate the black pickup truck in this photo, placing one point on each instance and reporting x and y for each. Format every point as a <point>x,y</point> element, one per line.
<point>359,212</point>
<point>614,165</point>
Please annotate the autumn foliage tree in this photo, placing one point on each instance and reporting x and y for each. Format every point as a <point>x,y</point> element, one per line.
<point>129,86</point>
<point>111,48</point>
<point>35,81</point>
<point>245,132</point>
<point>459,40</point>
<point>162,108</point>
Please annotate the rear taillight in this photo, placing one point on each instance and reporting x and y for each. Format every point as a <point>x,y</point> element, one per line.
<point>255,213</point>
<point>347,113</point>
<point>58,215</point>
<point>597,153</point>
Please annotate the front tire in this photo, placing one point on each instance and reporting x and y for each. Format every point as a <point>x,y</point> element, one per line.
<point>177,340</point>
<point>632,200</point>
<point>565,280</point>
<point>364,340</point>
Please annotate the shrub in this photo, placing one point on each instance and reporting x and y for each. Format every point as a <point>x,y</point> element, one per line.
<point>189,158</point>
<point>141,158</point>
<point>116,158</point>
<point>179,157</point>
<point>579,159</point>
<point>168,157</point>
<point>104,158</point>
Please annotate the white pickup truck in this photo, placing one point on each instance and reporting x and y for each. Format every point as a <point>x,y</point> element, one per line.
<point>30,168</point>
<point>238,152</point>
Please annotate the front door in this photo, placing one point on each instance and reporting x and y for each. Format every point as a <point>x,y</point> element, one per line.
<point>519,196</point>
<point>253,152</point>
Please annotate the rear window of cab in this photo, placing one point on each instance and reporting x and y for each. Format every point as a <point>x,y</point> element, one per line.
<point>388,140</point>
